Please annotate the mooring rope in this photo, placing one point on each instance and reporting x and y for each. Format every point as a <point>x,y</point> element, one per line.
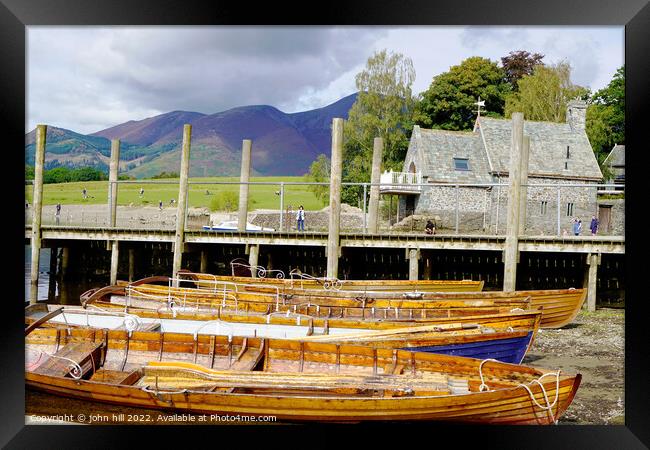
<point>549,406</point>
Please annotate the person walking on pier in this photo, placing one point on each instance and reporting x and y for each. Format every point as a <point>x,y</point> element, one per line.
<point>593,226</point>
<point>300,217</point>
<point>57,215</point>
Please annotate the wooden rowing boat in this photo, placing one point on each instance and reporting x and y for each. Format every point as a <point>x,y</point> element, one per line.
<point>157,298</point>
<point>507,341</point>
<point>560,306</point>
<point>289,379</point>
<point>304,281</point>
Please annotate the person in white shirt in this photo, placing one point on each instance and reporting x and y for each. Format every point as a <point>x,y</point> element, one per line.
<point>300,217</point>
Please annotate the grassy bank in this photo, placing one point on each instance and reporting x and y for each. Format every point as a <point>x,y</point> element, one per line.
<point>200,194</point>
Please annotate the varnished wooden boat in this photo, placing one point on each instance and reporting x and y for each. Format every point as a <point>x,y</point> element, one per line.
<point>508,341</point>
<point>304,281</point>
<point>161,297</point>
<point>289,379</point>
<point>560,306</point>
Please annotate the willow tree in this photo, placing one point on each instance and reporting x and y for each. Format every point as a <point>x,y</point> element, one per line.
<point>544,95</point>
<point>384,108</point>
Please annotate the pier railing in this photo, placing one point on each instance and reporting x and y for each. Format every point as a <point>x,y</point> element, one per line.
<point>406,205</point>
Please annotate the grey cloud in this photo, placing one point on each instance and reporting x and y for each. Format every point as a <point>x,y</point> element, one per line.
<point>199,69</point>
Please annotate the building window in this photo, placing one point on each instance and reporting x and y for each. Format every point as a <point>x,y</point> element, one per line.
<point>461,163</point>
<point>569,209</point>
<point>544,206</point>
<point>566,166</point>
<point>568,154</point>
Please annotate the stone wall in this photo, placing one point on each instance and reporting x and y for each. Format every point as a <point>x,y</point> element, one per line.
<point>351,219</point>
<point>482,209</point>
<point>617,219</point>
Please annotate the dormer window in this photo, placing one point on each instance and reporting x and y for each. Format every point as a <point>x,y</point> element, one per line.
<point>461,163</point>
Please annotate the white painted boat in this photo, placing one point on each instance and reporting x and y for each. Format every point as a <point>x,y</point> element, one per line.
<point>232,225</point>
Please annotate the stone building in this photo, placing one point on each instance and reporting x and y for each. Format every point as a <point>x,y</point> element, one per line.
<point>560,155</point>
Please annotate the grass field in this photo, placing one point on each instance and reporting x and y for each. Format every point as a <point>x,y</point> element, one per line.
<point>261,196</point>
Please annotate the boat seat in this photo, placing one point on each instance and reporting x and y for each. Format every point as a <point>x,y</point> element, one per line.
<point>85,354</point>
<point>116,376</point>
<point>458,386</point>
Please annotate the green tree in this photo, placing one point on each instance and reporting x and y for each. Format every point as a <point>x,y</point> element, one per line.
<point>544,95</point>
<point>449,102</point>
<point>518,64</point>
<point>319,172</point>
<point>384,108</point>
<point>29,172</point>
<point>88,174</point>
<point>606,116</point>
<point>227,201</point>
<point>57,175</point>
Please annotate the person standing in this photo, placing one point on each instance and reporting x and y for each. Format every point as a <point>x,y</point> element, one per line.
<point>593,226</point>
<point>160,205</point>
<point>141,192</point>
<point>84,193</point>
<point>57,215</point>
<point>300,217</point>
<point>577,226</point>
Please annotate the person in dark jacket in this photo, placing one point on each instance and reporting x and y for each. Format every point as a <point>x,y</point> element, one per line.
<point>430,228</point>
<point>593,226</point>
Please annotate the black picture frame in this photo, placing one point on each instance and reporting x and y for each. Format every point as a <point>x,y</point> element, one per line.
<point>15,15</point>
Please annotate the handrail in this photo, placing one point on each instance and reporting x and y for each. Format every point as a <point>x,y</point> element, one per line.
<point>261,270</point>
<point>42,320</point>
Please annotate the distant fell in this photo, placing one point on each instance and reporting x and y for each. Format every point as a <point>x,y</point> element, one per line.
<point>283,143</point>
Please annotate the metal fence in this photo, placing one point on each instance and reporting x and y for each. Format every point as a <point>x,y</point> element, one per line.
<point>404,207</point>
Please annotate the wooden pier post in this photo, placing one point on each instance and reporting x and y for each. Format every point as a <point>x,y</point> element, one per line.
<point>253,259</point>
<point>511,251</point>
<point>112,204</point>
<point>65,260</point>
<point>181,210</point>
<point>243,187</point>
<point>204,261</point>
<point>37,203</point>
<point>131,264</point>
<point>413,256</point>
<point>373,205</point>
<point>333,248</point>
<point>53,269</point>
<point>428,266</point>
<point>593,261</point>
<point>523,198</point>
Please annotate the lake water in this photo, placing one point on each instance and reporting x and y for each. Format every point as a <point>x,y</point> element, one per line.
<point>63,293</point>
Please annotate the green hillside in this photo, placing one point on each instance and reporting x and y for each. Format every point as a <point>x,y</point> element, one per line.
<point>262,196</point>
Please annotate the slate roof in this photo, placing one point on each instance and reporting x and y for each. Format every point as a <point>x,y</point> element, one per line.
<point>548,149</point>
<point>616,157</point>
<point>437,150</point>
<point>488,151</point>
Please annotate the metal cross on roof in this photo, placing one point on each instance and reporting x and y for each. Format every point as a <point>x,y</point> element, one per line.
<point>479,103</point>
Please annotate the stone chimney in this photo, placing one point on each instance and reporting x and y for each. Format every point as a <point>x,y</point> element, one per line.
<point>576,114</point>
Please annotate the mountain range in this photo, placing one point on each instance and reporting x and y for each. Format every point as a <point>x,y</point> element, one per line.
<point>282,143</point>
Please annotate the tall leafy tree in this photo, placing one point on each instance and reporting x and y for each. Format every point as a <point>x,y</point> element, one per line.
<point>606,116</point>
<point>449,102</point>
<point>319,172</point>
<point>519,64</point>
<point>384,108</point>
<point>544,95</point>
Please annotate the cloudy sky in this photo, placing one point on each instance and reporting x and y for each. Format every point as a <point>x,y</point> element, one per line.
<point>89,78</point>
